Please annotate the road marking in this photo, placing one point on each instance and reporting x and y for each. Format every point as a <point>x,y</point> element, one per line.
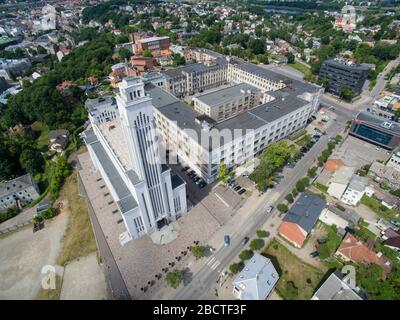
<point>222,200</point>
<point>215,265</point>
<point>210,260</point>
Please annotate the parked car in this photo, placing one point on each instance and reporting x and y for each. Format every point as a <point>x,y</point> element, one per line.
<point>237,188</point>
<point>291,165</point>
<point>245,240</point>
<point>227,240</point>
<point>242,191</point>
<point>199,181</point>
<point>245,174</point>
<point>395,223</point>
<point>191,174</point>
<point>185,169</point>
<point>314,254</point>
<point>350,230</point>
<point>196,178</point>
<point>269,209</point>
<point>321,241</point>
<point>202,184</point>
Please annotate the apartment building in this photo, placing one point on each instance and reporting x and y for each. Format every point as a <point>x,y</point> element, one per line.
<point>142,41</point>
<point>227,102</point>
<point>123,146</point>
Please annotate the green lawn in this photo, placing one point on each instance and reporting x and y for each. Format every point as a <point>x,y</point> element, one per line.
<point>44,136</point>
<point>302,68</point>
<point>298,280</point>
<point>297,135</point>
<point>304,141</point>
<point>379,209</point>
<point>321,187</point>
<point>333,241</point>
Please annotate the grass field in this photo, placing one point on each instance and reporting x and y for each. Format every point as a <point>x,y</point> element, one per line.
<point>321,187</point>
<point>79,239</point>
<point>298,280</point>
<point>44,136</point>
<point>302,68</point>
<point>378,208</point>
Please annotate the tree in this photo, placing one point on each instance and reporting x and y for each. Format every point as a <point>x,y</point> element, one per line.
<point>302,184</point>
<point>245,255</point>
<point>295,192</point>
<point>282,207</point>
<point>124,53</point>
<point>289,198</point>
<point>257,46</point>
<point>223,174</point>
<point>198,251</point>
<point>178,60</point>
<point>147,53</point>
<point>234,268</point>
<point>346,93</point>
<point>60,172</point>
<point>312,172</point>
<point>262,234</point>
<point>32,161</point>
<point>290,57</point>
<point>174,278</point>
<point>256,244</point>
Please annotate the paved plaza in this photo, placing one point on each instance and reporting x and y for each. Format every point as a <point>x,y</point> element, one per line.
<point>141,260</point>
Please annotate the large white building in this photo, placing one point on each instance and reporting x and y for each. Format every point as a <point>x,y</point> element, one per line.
<point>202,138</point>
<point>123,146</point>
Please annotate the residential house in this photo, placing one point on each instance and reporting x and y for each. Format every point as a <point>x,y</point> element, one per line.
<point>339,181</point>
<point>389,174</point>
<point>355,250</point>
<point>257,279</point>
<point>394,161</point>
<point>338,286</point>
<point>331,218</point>
<point>58,140</point>
<point>301,218</point>
<point>355,190</point>
<point>391,239</point>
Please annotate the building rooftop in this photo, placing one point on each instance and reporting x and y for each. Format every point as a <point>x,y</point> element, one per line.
<point>306,211</point>
<point>16,185</point>
<point>126,201</point>
<point>358,183</point>
<point>93,104</point>
<point>257,279</point>
<point>151,39</point>
<point>221,96</point>
<point>347,64</point>
<point>382,124</point>
<point>343,175</point>
<point>336,287</point>
<point>176,181</point>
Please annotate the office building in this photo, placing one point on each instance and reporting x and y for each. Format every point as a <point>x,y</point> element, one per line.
<point>374,129</point>
<point>340,72</point>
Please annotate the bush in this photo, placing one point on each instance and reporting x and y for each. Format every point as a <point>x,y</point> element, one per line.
<point>256,244</point>
<point>282,207</point>
<point>289,198</point>
<point>198,251</point>
<point>245,255</point>
<point>9,213</point>
<point>312,172</point>
<point>295,192</point>
<point>262,234</point>
<point>291,290</point>
<point>49,213</point>
<point>234,268</point>
<point>174,278</point>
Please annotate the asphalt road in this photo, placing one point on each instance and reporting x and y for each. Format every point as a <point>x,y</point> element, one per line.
<point>204,281</point>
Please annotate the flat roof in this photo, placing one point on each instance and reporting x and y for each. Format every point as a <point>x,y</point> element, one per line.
<point>151,39</point>
<point>126,201</point>
<point>383,124</point>
<point>218,97</point>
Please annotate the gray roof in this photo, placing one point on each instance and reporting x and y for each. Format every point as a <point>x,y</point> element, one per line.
<point>224,95</point>
<point>306,211</point>
<point>126,202</point>
<point>16,185</point>
<point>91,104</point>
<point>257,279</point>
<point>336,287</point>
<point>176,181</point>
<point>132,175</point>
<point>380,123</point>
<point>89,136</point>
<point>358,183</point>
<point>343,65</point>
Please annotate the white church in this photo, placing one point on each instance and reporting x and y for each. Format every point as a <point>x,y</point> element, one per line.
<point>123,146</point>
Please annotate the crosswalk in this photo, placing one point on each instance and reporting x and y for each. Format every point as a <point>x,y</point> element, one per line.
<point>213,263</point>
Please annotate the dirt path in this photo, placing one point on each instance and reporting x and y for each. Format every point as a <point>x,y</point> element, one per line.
<point>24,253</point>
